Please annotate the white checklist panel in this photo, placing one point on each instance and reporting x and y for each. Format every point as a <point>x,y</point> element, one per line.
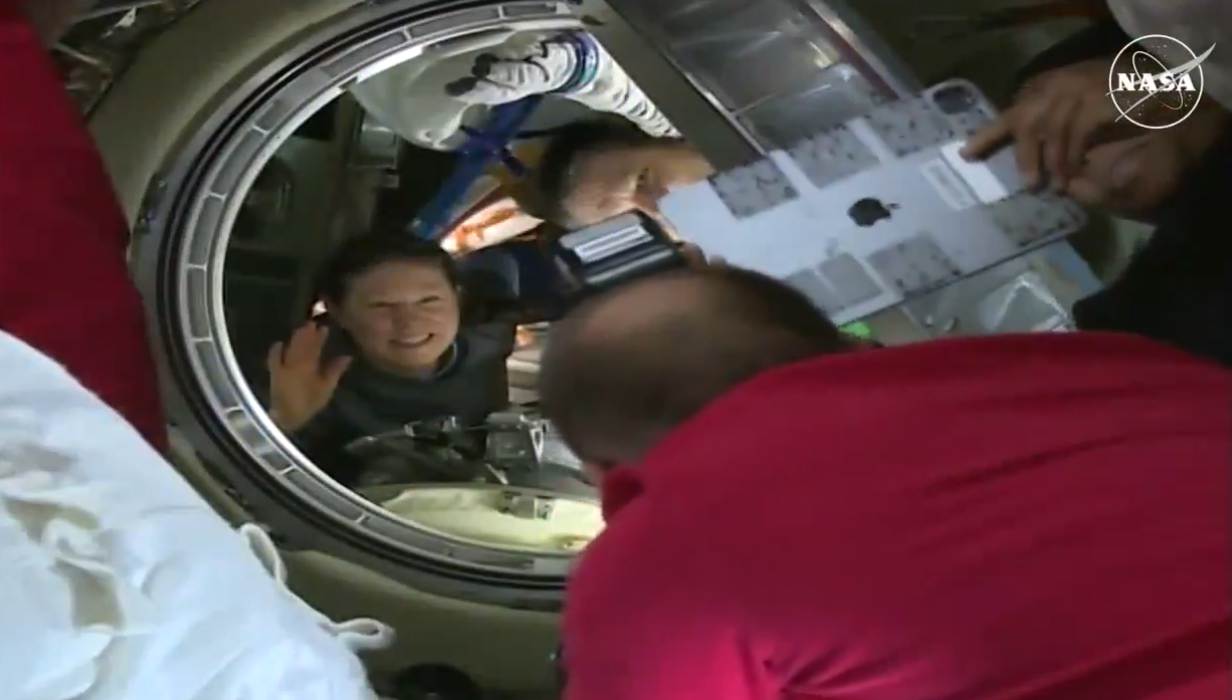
<point>875,212</point>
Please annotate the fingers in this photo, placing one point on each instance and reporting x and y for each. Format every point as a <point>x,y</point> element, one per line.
<point>695,256</point>
<point>273,361</point>
<point>1059,160</point>
<point>1086,191</point>
<point>1015,126</point>
<point>1090,128</point>
<point>306,345</point>
<point>300,358</point>
<point>1052,124</point>
<point>332,373</point>
<point>1040,131</point>
<point>692,254</point>
<point>1028,145</point>
<point>989,139</point>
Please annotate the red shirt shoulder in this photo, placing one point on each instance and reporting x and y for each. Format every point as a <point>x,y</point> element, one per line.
<point>64,284</point>
<point>960,519</point>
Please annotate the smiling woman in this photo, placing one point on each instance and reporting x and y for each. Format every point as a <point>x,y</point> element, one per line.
<point>397,298</point>
<point>392,348</point>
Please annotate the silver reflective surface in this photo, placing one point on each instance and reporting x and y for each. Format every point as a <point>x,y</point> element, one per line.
<point>765,63</point>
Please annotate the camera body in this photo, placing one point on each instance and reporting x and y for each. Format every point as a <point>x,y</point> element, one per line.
<point>615,251</point>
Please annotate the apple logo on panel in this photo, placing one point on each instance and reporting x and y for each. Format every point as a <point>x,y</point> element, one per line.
<point>868,211</point>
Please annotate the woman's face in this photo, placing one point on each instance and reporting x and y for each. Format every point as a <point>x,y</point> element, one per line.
<point>402,315</point>
<point>610,182</point>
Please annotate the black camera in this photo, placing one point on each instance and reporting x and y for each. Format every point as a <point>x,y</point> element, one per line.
<point>615,251</point>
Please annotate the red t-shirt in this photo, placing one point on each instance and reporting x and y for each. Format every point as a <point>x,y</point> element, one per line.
<point>1001,518</point>
<point>64,285</point>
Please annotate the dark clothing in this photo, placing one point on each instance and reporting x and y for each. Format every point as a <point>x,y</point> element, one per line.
<point>64,282</point>
<point>1020,516</point>
<point>1178,288</point>
<point>369,401</point>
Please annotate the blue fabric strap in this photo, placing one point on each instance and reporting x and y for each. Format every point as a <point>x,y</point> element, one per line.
<point>491,144</point>
<point>587,67</point>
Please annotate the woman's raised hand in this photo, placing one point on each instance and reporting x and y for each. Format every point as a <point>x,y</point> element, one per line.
<point>301,385</point>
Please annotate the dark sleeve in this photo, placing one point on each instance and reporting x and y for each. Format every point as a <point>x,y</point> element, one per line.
<point>323,442</point>
<point>64,284</point>
<point>499,336</point>
<point>520,314</point>
<point>1101,39</point>
<point>1178,288</point>
<point>501,340</point>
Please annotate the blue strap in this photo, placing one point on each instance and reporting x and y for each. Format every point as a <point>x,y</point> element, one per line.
<point>587,69</point>
<point>491,144</point>
<point>476,154</point>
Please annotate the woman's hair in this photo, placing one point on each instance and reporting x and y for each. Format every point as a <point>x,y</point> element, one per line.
<point>358,255</point>
<point>553,182</point>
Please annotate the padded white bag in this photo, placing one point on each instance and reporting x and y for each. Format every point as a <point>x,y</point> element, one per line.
<point>117,581</point>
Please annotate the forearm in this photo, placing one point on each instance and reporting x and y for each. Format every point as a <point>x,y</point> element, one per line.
<point>64,285</point>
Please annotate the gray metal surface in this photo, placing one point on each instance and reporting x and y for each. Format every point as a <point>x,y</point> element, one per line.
<point>710,126</point>
<point>780,70</point>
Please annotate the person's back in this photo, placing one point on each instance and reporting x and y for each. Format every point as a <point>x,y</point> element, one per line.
<point>1010,517</point>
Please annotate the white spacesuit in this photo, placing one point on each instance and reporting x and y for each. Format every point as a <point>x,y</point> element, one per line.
<point>426,102</point>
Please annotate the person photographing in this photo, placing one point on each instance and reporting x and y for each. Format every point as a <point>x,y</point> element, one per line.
<point>1011,516</point>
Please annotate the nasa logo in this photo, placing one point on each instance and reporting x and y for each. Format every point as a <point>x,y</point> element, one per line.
<point>1156,81</point>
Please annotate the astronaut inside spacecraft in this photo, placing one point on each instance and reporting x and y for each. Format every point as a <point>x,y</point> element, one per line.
<point>415,355</point>
<point>398,350</point>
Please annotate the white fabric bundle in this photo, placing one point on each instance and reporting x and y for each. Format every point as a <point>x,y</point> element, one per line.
<point>544,66</point>
<point>117,581</point>
<point>413,98</point>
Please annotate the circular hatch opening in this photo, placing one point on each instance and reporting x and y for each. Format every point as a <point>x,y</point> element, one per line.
<point>516,545</point>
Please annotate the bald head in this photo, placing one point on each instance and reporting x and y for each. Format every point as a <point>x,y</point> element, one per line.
<point>622,370</point>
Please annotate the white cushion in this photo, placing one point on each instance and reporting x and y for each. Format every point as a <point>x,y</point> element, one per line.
<point>117,581</point>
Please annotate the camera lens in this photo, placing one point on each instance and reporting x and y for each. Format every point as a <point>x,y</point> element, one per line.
<point>955,99</point>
